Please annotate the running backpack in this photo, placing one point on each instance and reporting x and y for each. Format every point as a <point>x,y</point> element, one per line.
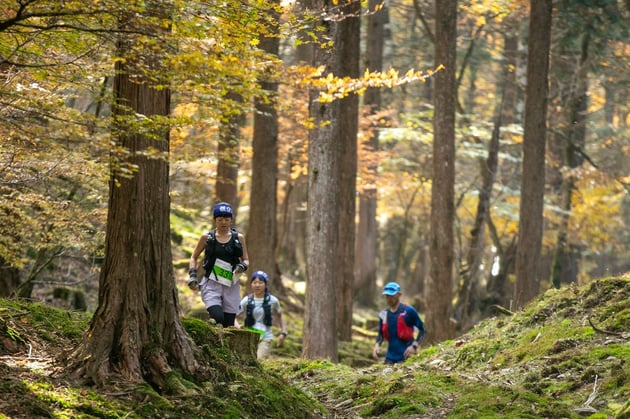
<point>404,331</point>
<point>249,319</point>
<point>233,247</point>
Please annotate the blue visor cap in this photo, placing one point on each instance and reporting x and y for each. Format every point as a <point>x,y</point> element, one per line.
<point>222,209</point>
<point>260,275</point>
<point>391,288</point>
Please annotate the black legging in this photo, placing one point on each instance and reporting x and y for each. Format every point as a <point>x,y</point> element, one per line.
<point>224,319</point>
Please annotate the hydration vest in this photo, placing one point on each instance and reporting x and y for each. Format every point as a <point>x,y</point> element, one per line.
<point>233,247</point>
<point>249,319</point>
<point>403,330</point>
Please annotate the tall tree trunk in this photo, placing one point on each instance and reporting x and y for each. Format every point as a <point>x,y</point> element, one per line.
<point>262,232</point>
<point>366,243</point>
<point>533,177</point>
<point>440,284</point>
<point>136,332</point>
<point>347,47</point>
<point>322,248</point>
<point>565,255</point>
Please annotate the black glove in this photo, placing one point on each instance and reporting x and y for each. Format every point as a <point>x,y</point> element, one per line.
<point>192,279</point>
<point>193,284</point>
<point>240,268</point>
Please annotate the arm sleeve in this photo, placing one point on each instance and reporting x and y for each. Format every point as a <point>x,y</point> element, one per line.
<point>379,337</point>
<point>275,304</point>
<point>421,329</point>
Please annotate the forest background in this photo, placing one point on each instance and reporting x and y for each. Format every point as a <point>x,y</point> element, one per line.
<point>219,68</point>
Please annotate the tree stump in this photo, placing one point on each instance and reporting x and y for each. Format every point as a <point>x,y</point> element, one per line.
<point>242,343</point>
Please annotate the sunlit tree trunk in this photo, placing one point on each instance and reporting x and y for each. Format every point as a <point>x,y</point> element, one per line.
<point>533,177</point>
<point>322,248</point>
<point>135,333</point>
<point>440,285</point>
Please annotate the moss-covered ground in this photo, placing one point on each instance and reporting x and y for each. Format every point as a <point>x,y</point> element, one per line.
<point>567,355</point>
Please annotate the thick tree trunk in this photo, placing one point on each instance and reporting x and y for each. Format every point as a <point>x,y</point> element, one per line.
<point>135,332</point>
<point>533,183</point>
<point>440,284</point>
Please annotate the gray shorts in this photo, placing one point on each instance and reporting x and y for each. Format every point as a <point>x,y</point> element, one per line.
<point>215,294</point>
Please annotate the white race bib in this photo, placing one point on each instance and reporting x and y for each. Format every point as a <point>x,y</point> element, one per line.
<point>222,272</point>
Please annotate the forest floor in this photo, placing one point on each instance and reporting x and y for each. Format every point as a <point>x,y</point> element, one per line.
<point>567,355</point>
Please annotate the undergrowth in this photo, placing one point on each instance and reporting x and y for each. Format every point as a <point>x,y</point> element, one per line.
<point>565,356</point>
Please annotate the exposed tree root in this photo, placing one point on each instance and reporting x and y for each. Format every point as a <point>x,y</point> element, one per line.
<point>597,329</point>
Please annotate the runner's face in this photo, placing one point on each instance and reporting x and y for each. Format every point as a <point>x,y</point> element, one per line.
<point>392,300</point>
<point>223,222</point>
<point>258,286</point>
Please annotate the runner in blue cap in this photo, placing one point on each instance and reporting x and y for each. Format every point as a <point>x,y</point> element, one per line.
<point>397,325</point>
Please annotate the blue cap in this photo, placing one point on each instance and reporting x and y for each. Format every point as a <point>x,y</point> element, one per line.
<point>222,209</point>
<point>260,275</point>
<point>391,288</point>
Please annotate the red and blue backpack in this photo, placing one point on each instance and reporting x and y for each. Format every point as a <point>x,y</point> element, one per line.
<point>404,331</point>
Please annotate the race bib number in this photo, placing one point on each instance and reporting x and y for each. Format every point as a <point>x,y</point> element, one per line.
<point>222,272</point>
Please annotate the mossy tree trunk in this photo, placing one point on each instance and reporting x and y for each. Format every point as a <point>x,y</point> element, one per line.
<point>136,334</point>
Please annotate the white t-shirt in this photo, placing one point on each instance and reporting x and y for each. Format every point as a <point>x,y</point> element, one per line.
<point>259,314</point>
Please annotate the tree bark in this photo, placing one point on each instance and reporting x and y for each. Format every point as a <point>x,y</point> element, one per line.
<point>440,284</point>
<point>322,249</point>
<point>533,178</point>
<point>347,47</point>
<point>135,332</point>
